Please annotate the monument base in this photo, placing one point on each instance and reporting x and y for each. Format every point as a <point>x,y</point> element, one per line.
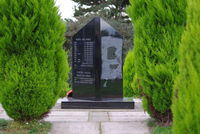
<point>71,103</point>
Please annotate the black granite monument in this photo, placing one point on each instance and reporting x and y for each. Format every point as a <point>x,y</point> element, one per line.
<point>97,68</point>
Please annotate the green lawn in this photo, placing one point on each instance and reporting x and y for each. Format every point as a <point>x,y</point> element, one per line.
<point>162,130</point>
<point>156,129</point>
<point>11,127</point>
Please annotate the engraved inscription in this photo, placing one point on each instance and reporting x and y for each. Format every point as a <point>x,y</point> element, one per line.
<point>83,61</point>
<point>83,77</point>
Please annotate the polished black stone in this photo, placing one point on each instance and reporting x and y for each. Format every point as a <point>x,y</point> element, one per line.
<point>97,62</point>
<point>108,103</point>
<point>97,68</point>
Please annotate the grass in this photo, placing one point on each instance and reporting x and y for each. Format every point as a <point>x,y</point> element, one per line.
<point>156,129</point>
<point>162,130</point>
<point>35,127</point>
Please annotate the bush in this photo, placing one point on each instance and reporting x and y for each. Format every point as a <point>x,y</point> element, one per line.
<point>186,104</point>
<point>66,72</point>
<point>130,80</point>
<point>128,74</point>
<point>136,86</point>
<point>158,27</point>
<point>33,65</point>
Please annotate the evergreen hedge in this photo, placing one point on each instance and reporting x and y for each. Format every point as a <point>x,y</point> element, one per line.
<point>128,74</point>
<point>130,80</point>
<point>158,28</point>
<point>33,65</point>
<point>186,103</point>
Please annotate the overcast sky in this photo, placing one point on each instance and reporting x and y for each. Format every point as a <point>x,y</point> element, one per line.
<point>66,8</point>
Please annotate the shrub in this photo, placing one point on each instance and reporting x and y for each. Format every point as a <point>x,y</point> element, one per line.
<point>136,86</point>
<point>66,72</point>
<point>130,80</point>
<point>158,27</point>
<point>128,74</point>
<point>33,65</point>
<point>186,104</point>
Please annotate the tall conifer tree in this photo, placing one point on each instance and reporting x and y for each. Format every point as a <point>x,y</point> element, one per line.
<point>186,103</point>
<point>33,64</point>
<point>158,28</point>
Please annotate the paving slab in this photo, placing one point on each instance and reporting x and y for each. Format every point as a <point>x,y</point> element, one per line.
<point>63,116</point>
<point>98,116</point>
<point>128,116</point>
<point>124,128</point>
<point>68,113</point>
<point>76,128</point>
<point>3,115</point>
<point>96,121</point>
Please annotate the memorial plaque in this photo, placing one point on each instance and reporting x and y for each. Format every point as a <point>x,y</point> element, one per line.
<point>97,62</point>
<point>97,69</point>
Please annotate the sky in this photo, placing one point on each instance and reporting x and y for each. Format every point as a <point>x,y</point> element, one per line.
<point>66,8</point>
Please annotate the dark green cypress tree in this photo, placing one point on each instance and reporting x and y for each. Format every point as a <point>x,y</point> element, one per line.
<point>186,103</point>
<point>33,64</point>
<point>158,28</point>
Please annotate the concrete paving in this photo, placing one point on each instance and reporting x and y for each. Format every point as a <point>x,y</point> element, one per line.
<point>75,128</point>
<point>98,116</point>
<point>96,121</point>
<point>124,128</point>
